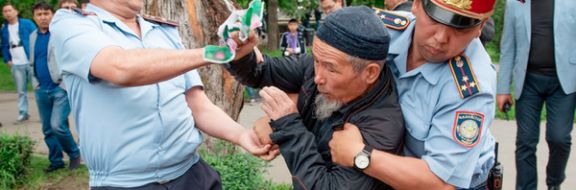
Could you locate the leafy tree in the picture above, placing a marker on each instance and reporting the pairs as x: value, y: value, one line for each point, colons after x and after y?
x: 24, y: 6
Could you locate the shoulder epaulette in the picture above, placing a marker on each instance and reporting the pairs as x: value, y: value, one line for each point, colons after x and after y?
x: 464, y: 76
x: 392, y: 20
x: 83, y: 13
x: 160, y: 20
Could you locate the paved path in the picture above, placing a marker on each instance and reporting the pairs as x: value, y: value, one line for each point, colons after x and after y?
x: 505, y: 132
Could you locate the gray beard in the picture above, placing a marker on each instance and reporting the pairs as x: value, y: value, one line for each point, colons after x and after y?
x: 325, y: 107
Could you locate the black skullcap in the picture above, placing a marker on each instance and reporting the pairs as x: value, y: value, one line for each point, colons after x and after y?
x: 356, y: 31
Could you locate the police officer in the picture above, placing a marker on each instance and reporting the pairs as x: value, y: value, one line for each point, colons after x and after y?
x: 447, y: 89
x: 138, y: 103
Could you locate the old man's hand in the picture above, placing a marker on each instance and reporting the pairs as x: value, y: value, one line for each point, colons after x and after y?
x: 276, y: 103
x: 245, y: 47
x: 345, y: 144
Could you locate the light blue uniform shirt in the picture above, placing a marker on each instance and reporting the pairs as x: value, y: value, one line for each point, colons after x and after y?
x: 129, y: 136
x: 430, y: 101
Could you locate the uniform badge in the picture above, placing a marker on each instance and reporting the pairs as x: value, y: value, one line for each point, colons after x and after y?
x: 467, y: 128
x: 464, y: 76
x: 392, y: 20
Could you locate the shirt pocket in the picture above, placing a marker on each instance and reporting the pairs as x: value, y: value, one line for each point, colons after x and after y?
x: 417, y: 124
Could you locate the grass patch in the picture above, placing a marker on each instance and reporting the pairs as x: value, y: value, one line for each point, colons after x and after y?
x: 6, y: 81
x: 494, y: 52
x: 60, y: 179
x: 276, y: 53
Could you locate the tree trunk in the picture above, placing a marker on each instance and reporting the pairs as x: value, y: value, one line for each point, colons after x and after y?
x: 272, y: 21
x: 199, y: 21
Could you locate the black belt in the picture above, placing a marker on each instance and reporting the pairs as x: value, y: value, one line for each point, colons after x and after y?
x: 15, y: 46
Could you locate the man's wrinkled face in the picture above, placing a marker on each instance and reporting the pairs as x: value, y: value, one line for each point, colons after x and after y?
x: 329, y: 6
x: 335, y: 77
x: 9, y: 12
x: 437, y: 42
x: 42, y: 18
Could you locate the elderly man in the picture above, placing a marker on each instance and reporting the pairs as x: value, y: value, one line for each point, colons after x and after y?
x: 343, y: 82
x: 138, y: 103
x: 447, y: 88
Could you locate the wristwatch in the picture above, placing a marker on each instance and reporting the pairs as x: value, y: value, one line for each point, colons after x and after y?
x: 362, y: 159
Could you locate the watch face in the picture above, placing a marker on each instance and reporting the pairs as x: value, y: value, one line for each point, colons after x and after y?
x: 361, y: 161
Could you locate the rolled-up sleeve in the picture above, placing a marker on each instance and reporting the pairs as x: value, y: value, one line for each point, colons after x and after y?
x: 192, y: 79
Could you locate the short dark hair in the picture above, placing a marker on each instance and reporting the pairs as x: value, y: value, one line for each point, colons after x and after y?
x: 293, y: 21
x: 42, y: 6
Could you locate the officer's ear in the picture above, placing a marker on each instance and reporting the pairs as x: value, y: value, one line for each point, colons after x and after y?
x: 415, y: 6
x: 481, y: 27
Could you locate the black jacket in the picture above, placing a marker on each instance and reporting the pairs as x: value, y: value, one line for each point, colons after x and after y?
x: 303, y: 139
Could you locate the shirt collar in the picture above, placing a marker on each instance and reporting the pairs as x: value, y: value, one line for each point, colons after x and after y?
x: 40, y: 33
x: 108, y: 18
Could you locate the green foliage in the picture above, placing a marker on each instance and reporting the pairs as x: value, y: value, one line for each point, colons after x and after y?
x: 494, y: 45
x: 294, y: 8
x: 38, y: 179
x: 24, y: 7
x: 15, y: 154
x: 238, y: 170
x: 6, y: 81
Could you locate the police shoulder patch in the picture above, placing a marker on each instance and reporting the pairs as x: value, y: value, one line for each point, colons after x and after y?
x: 160, y: 20
x: 392, y: 20
x: 467, y: 128
x: 464, y: 76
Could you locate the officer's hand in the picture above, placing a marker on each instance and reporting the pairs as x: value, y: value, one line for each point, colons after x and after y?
x: 272, y: 154
x: 246, y: 47
x: 276, y: 103
x: 501, y: 99
x: 250, y: 142
x: 263, y: 130
x: 345, y: 144
x: 10, y: 63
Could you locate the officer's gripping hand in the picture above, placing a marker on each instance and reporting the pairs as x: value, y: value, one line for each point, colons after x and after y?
x: 250, y: 142
x: 345, y: 144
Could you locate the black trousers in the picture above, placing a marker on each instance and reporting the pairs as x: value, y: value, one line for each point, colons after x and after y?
x: 199, y: 177
x: 539, y: 90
